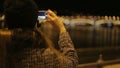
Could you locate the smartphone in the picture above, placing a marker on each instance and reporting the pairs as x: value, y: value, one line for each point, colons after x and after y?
x: 42, y: 15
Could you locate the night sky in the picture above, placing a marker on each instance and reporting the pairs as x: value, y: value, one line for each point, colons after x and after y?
x: 68, y: 7
x: 96, y: 7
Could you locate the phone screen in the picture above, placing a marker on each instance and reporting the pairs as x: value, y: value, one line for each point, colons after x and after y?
x: 41, y: 15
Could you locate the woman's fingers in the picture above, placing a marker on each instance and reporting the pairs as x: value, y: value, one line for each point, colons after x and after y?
x: 50, y: 18
x: 51, y: 13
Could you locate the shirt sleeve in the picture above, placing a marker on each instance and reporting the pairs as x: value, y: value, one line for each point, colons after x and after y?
x: 67, y: 47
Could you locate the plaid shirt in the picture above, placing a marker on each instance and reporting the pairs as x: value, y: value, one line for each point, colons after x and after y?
x: 35, y: 57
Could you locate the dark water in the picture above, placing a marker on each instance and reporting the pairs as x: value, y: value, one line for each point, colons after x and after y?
x: 92, y: 37
x: 91, y: 42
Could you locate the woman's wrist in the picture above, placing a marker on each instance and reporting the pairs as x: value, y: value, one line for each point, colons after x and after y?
x: 62, y: 29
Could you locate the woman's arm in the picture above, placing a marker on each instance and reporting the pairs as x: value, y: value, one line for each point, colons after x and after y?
x: 67, y: 47
x: 65, y: 43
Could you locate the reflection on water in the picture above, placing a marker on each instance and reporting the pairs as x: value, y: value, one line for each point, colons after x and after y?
x: 89, y: 36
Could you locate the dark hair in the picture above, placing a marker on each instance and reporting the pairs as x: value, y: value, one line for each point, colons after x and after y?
x: 20, y: 13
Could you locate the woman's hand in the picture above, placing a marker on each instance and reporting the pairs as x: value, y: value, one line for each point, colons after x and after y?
x: 55, y: 20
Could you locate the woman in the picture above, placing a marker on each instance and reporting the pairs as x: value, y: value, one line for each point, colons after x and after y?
x: 29, y: 46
